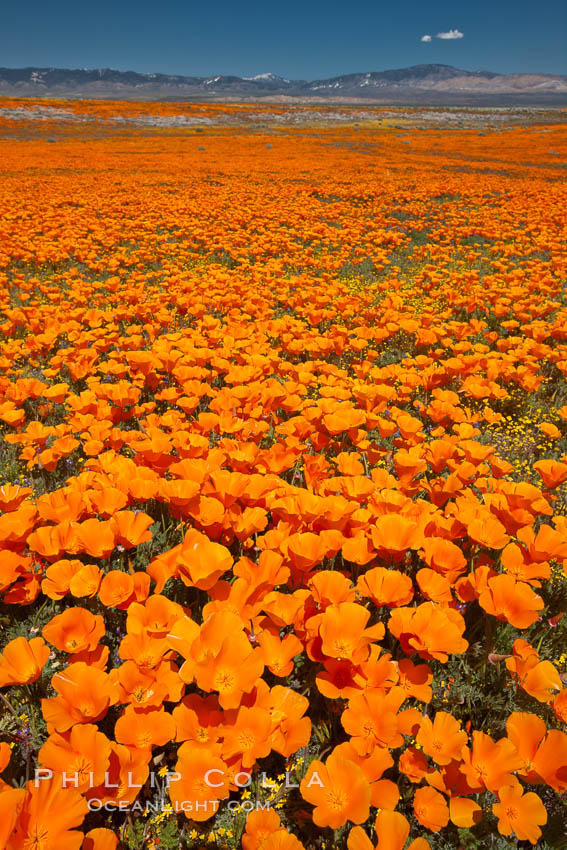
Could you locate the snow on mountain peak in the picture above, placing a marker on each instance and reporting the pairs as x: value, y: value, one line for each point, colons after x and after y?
x: 269, y: 77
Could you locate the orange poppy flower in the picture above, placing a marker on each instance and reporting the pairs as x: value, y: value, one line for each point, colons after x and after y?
x: 54, y: 541
x: 409, y: 465
x: 281, y: 839
x: 542, y: 680
x: 58, y: 577
x: 306, y: 550
x: 267, y: 571
x: 414, y: 764
x: 394, y: 535
x: 339, y: 791
x: 75, y: 630
x: 11, y: 804
x: 358, y: 550
x: 415, y: 679
x: 550, y: 761
x: 156, y: 617
x: 144, y: 728
x: 100, y: 839
x: 526, y: 732
x: 291, y: 730
x: 430, y: 809
x: 116, y: 588
x: 201, y: 562
x: 279, y: 654
x: 516, y: 564
x: 344, y: 419
x: 519, y: 814
x: 15, y: 526
x: 5, y: 753
x: 386, y: 587
x: 82, y: 754
x: 438, y: 452
x: 371, y: 720
x: 538, y: 678
x: 328, y: 587
x: 392, y: 831
x: 12, y: 496
x: 344, y: 634
x: 443, y: 739
x: 339, y: 679
x: 106, y: 502
x: 552, y: 472
x: 464, y: 812
x: 488, y: 531
x: 86, y: 581
x: 145, y: 651
x: 131, y: 528
x: 384, y: 793
x: 430, y: 630
x: 444, y: 557
x: 547, y: 543
x: 22, y: 661
x: 204, y: 781
x: 249, y: 735
x: 95, y: 537
x: 511, y: 601
x: 260, y: 825
x: 490, y: 764
x: 560, y: 706
x: 223, y: 660
x: 127, y: 773
x: 198, y: 719
x: 48, y: 816
x: 434, y: 586
x: 12, y: 567
x: 84, y: 696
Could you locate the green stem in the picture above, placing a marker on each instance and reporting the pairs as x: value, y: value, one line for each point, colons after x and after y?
x: 36, y: 618
x: 10, y: 707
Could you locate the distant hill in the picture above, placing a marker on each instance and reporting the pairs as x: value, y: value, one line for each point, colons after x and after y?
x: 420, y: 84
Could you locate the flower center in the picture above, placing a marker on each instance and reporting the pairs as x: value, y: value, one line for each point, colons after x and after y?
x: 341, y: 648
x: 224, y: 681
x: 336, y: 800
x: 38, y: 839
x: 246, y: 740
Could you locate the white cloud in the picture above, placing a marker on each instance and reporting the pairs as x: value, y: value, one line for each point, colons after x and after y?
x: 426, y: 38
x: 450, y: 34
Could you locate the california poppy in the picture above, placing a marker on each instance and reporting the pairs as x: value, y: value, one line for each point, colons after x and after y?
x: 22, y: 661
x: 84, y: 696
x: 392, y: 831
x: 442, y: 739
x: 82, y: 754
x: 144, y: 728
x: 260, y: 825
x: 48, y: 816
x: 519, y: 814
x: 430, y: 630
x: 75, y: 630
x: 100, y: 839
x: 202, y: 781
x: 430, y: 809
x: 339, y: 791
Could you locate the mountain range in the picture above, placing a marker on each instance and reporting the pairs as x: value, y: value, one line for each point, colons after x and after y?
x: 419, y: 84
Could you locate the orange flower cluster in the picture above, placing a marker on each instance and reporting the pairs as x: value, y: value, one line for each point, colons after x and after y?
x: 265, y: 507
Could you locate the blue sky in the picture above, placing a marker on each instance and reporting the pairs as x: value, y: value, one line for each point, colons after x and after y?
x: 298, y: 39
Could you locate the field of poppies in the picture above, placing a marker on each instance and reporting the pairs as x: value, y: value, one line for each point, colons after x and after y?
x: 283, y: 480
